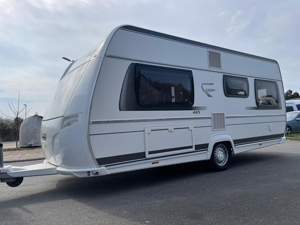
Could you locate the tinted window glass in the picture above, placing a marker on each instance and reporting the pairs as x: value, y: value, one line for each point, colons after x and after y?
x: 236, y: 86
x: 159, y: 86
x: 298, y: 106
x: 266, y: 93
x: 289, y: 109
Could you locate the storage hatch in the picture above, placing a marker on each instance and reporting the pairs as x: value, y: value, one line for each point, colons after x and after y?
x: 169, y: 140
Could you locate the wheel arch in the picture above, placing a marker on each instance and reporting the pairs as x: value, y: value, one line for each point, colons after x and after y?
x: 220, y: 138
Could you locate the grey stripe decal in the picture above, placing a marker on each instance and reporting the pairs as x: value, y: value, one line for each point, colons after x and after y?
x: 257, y: 139
x: 170, y: 149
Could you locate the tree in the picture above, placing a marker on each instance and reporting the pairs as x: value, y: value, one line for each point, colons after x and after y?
x: 290, y: 95
x: 295, y: 95
x: 17, y: 120
x: 6, y: 129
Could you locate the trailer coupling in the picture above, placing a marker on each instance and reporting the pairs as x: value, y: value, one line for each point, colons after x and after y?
x: 13, y: 175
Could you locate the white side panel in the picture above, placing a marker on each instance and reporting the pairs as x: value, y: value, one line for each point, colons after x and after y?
x: 244, y: 131
x: 143, y: 47
x: 117, y: 144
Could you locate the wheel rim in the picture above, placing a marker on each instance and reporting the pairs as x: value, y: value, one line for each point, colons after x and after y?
x: 221, y: 155
x: 288, y: 130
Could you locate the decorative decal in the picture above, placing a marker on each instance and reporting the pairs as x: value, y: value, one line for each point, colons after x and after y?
x: 207, y: 90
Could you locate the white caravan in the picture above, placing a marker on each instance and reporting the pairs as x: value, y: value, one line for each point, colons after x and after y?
x: 143, y: 99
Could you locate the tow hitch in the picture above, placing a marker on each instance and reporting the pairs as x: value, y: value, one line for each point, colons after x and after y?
x: 13, y: 176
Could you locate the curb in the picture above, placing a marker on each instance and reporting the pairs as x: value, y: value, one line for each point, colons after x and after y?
x: 22, y: 160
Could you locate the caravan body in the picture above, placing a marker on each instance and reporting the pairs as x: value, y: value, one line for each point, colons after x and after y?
x: 143, y: 99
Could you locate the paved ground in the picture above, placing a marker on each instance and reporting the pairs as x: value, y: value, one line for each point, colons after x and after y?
x: 9, y: 144
x: 22, y: 154
x: 37, y: 153
x: 260, y: 187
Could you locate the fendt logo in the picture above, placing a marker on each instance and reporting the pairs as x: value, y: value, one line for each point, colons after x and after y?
x: 207, y: 90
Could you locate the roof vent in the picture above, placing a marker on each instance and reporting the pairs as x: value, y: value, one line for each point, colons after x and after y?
x: 214, y: 59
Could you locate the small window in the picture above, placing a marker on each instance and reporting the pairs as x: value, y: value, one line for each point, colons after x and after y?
x: 236, y: 86
x: 298, y: 106
x: 266, y: 93
x: 163, y: 87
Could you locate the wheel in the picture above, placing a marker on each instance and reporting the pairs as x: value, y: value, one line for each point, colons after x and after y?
x: 288, y: 130
x: 220, y: 157
x: 15, y: 183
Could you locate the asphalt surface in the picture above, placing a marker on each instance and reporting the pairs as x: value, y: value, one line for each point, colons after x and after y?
x: 260, y: 187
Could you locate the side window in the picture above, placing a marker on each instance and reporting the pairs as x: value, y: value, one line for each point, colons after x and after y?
x: 235, y: 86
x: 298, y: 106
x: 266, y: 93
x: 163, y: 87
x: 148, y: 87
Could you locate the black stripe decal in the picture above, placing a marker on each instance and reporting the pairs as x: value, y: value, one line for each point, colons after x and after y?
x: 121, y: 158
x: 142, y: 155
x: 257, y: 139
x: 202, y: 146
x: 170, y: 149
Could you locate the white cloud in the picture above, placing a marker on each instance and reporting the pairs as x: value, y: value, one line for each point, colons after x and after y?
x: 35, y: 34
x: 238, y: 22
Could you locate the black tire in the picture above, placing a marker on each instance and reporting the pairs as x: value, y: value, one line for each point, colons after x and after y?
x: 220, y: 157
x: 288, y: 130
x: 15, y: 183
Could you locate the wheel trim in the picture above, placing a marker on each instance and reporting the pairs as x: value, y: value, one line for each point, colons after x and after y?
x: 220, y: 155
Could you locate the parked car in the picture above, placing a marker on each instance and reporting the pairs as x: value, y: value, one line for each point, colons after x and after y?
x: 292, y: 122
x: 292, y: 105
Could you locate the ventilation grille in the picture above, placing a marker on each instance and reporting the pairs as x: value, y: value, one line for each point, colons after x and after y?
x: 214, y: 59
x: 218, y: 121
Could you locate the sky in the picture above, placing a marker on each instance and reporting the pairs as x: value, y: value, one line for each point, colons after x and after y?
x: 36, y: 34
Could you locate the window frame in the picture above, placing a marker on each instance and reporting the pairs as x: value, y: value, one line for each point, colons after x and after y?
x: 256, y: 93
x: 168, y: 105
x: 232, y: 95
